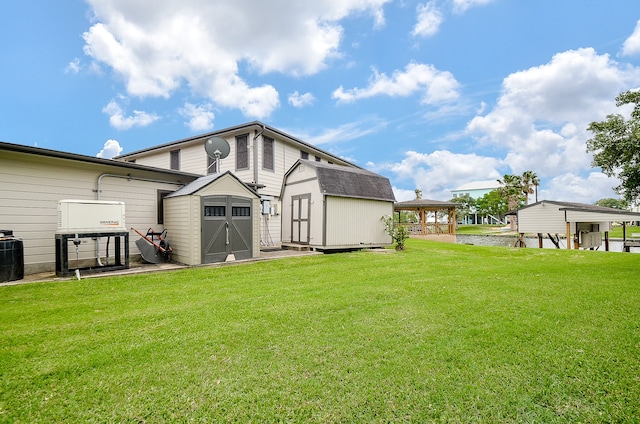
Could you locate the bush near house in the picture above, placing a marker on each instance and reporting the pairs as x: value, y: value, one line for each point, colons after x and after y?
x: 438, y: 333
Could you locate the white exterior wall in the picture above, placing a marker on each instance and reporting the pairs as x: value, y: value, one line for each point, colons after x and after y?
x: 31, y: 187
x: 547, y: 218
x: 185, y: 214
x: 181, y: 215
x: 356, y: 221
x: 303, y: 180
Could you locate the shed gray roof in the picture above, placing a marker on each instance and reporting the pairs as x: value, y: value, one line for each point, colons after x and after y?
x: 202, y: 182
x: 346, y: 181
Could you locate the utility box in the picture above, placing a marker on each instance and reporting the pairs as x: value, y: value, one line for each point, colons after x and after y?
x: 88, y: 216
x: 589, y: 240
x: 11, y: 257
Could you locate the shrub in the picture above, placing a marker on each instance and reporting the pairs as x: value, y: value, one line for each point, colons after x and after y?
x: 397, y: 232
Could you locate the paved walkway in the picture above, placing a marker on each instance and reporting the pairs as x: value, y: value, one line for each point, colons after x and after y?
x: 141, y: 268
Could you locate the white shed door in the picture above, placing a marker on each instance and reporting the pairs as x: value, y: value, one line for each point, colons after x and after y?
x: 300, y: 217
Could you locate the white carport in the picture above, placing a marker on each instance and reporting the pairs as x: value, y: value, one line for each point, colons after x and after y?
x: 582, y: 222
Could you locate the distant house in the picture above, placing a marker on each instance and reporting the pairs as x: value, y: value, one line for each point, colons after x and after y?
x: 260, y: 155
x: 330, y: 207
x: 475, y: 189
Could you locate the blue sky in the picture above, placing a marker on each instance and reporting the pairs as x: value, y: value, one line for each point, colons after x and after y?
x: 433, y: 94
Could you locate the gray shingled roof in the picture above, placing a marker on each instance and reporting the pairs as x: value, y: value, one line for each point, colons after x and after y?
x: 346, y: 181
x: 201, y: 183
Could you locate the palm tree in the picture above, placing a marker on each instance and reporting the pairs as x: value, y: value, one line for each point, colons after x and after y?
x: 511, y: 189
x: 530, y: 183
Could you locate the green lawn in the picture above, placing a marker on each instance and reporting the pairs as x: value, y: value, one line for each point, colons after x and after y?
x: 438, y: 333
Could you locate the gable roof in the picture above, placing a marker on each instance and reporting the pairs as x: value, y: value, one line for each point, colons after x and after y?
x: 613, y: 214
x: 238, y: 129
x: 345, y: 181
x: 202, y: 182
x: 582, y: 207
x: 479, y: 185
x: 424, y: 203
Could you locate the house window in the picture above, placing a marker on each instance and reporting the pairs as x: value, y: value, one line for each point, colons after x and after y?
x: 318, y: 159
x: 174, y: 156
x: 242, y: 152
x: 161, y: 194
x: 304, y: 155
x: 212, y: 165
x: 267, y: 153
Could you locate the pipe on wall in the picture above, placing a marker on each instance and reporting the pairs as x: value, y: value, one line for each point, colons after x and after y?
x: 126, y: 177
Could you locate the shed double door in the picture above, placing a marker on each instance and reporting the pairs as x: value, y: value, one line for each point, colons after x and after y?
x: 300, y: 217
x: 226, y: 228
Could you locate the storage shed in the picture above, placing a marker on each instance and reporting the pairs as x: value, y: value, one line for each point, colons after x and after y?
x: 585, y: 223
x: 333, y: 207
x: 213, y: 219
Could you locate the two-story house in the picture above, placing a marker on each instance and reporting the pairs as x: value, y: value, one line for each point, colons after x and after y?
x: 259, y: 156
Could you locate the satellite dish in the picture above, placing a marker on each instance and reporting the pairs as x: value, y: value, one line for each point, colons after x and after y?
x: 217, y: 147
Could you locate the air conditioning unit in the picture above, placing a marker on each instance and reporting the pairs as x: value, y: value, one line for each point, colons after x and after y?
x: 90, y: 216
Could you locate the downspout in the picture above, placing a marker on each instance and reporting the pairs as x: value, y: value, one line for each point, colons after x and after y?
x: 99, y: 191
x: 255, y: 154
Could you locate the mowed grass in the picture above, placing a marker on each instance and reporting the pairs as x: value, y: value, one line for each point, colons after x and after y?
x: 438, y: 333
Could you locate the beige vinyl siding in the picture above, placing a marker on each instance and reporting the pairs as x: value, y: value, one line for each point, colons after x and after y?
x: 356, y: 221
x: 157, y: 160
x: 31, y: 187
x: 182, y: 216
x: 547, y: 219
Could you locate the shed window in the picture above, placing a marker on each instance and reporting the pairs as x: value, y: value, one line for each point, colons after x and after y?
x: 215, y: 211
x: 241, y: 211
x: 242, y: 152
x: 267, y: 153
x: 174, y: 156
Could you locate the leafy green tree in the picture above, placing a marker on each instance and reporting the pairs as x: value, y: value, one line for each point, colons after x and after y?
x: 613, y: 203
x: 492, y: 203
x: 616, y: 146
x: 467, y: 205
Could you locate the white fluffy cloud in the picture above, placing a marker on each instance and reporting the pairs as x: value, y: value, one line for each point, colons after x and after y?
x: 301, y: 100
x: 433, y: 173
x: 429, y: 19
x: 460, y: 6
x: 435, y: 86
x: 118, y: 120
x: 543, y: 112
x: 157, y: 46
x: 200, y: 118
x: 632, y: 44
x: 110, y: 149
